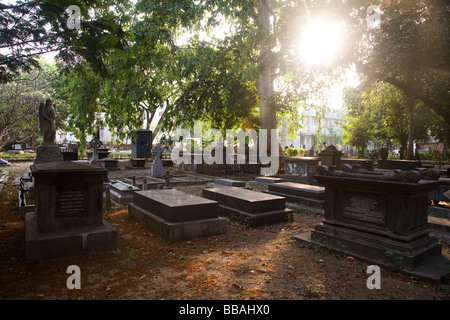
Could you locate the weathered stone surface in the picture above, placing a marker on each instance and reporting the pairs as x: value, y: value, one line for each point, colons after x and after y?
x: 255, y: 208
x: 229, y: 183
x: 310, y: 195
x: 384, y: 222
x: 48, y: 152
x: 175, y: 215
x: 122, y: 192
x: 300, y: 169
x: 68, y: 217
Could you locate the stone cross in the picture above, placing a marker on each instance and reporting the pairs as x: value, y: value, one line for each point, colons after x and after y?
x: 158, y: 152
x: 95, y: 144
x: 167, y: 177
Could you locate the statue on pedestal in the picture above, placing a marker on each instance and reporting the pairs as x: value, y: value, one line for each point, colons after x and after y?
x: 47, y: 116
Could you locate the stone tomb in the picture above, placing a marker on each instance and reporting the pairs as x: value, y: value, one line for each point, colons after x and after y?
x: 313, y: 196
x: 68, y: 217
x: 379, y: 220
x: 252, y: 207
x: 122, y: 192
x: 175, y: 216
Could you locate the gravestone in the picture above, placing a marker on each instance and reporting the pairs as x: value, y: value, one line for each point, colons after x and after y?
x: 157, y: 170
x: 141, y: 147
x: 313, y: 196
x: 175, y: 216
x: 300, y: 169
x: 380, y: 218
x: 110, y: 164
x: 68, y: 217
x: 167, y: 176
x: 250, y: 207
x: 331, y: 157
x: 122, y: 192
x: 95, y: 160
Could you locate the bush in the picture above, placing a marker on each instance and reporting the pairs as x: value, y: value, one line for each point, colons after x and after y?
x: 291, y: 152
x: 20, y: 156
x: 302, y: 152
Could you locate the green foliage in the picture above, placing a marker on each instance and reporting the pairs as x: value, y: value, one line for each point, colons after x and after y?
x: 291, y: 152
x: 20, y: 156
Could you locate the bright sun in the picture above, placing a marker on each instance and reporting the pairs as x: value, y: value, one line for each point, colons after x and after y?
x: 320, y: 41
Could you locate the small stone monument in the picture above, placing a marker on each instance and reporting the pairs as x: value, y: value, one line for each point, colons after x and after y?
x: 157, y: 166
x: 331, y: 157
x: 95, y: 160
x: 167, y: 178
x: 68, y: 218
x: 48, y: 151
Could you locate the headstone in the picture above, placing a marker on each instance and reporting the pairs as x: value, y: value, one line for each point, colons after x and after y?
x: 157, y: 166
x: 381, y: 219
x: 175, y: 216
x: 68, y: 217
x: 95, y: 160
x: 144, y: 184
x: 309, y: 195
x: 141, y: 147
x: 331, y: 157
x: 122, y: 192
x: 110, y: 164
x: 250, y: 207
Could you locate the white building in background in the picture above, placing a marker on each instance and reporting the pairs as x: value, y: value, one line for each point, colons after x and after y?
x: 331, y: 130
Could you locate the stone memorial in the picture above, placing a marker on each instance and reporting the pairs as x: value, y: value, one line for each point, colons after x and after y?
x: 251, y: 207
x: 331, y: 157
x: 95, y: 160
x: 380, y: 218
x: 141, y: 147
x: 157, y: 170
x: 122, y: 192
x: 68, y: 218
x: 309, y: 195
x: 110, y: 164
x: 300, y: 169
x: 175, y: 216
x: 229, y: 183
x: 48, y: 151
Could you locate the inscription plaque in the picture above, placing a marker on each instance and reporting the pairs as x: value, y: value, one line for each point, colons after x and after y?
x: 70, y: 203
x: 364, y: 208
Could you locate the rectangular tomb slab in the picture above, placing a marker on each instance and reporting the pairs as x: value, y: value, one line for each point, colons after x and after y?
x: 175, y: 206
x: 122, y: 192
x: 310, y: 195
x: 175, y: 215
x: 254, y: 207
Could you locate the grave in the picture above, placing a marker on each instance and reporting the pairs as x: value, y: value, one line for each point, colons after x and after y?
x: 121, y: 192
x: 382, y: 219
x: 331, y: 157
x: 312, y: 196
x: 361, y: 163
x: 175, y: 216
x: 229, y: 183
x: 110, y: 164
x: 300, y: 169
x: 157, y: 166
x: 141, y: 147
x: 251, y: 207
x: 68, y: 217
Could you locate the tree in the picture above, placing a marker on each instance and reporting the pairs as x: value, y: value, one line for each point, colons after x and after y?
x: 31, y: 28
x: 385, y: 112
x: 19, y: 102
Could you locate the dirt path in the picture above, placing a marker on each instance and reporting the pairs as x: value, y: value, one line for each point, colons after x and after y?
x: 261, y: 263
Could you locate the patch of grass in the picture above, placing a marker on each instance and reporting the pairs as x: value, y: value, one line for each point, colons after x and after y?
x: 312, y: 291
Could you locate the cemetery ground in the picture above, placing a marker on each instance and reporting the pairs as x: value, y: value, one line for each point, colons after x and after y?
x: 245, y: 263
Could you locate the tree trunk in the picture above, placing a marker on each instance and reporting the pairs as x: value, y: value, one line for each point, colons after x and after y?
x: 266, y: 78
x: 410, y: 154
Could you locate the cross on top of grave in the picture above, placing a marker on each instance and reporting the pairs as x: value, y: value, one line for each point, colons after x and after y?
x: 157, y: 151
x: 95, y: 144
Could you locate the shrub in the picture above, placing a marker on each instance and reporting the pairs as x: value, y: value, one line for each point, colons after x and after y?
x: 291, y: 152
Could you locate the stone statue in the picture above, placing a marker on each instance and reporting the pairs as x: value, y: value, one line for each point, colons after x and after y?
x: 47, y: 116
